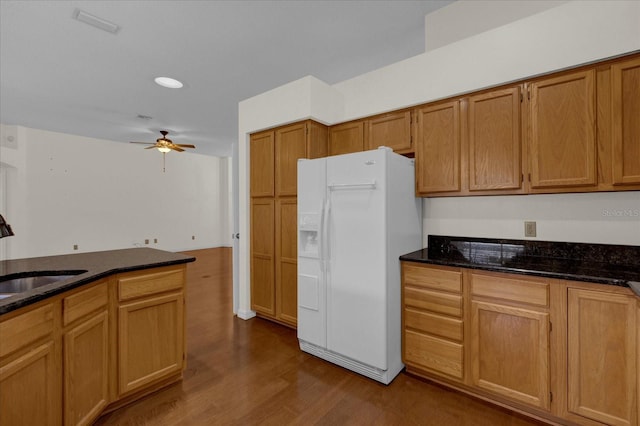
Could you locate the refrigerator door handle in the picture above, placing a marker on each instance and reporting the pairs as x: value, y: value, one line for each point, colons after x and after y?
x: 361, y: 185
x: 326, y: 248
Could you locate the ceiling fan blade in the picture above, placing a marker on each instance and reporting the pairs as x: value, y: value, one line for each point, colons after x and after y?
x: 185, y: 145
x: 151, y: 147
x: 176, y: 148
x: 144, y: 143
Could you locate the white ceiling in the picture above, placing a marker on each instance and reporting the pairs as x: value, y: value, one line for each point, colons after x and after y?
x: 59, y: 74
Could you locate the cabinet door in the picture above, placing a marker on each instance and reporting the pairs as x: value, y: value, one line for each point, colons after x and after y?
x: 346, y: 138
x: 317, y: 140
x: 290, y: 145
x: 626, y: 122
x: 392, y: 130
x: 510, y: 352
x: 602, y: 356
x: 562, y: 119
x: 261, y: 147
x: 287, y: 260
x: 438, y: 148
x: 86, y: 370
x: 263, y: 256
x: 29, y: 389
x: 151, y: 340
x: 495, y: 140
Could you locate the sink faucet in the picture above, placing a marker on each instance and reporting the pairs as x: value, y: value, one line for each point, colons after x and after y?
x: 5, y: 228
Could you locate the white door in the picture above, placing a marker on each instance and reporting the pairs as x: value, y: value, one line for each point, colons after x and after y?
x: 356, y: 288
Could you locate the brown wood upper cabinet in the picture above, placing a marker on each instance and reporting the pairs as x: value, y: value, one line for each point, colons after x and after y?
x: 261, y: 147
x: 495, y: 140
x: 438, y: 148
x: 563, y: 128
x: 346, y: 138
x: 392, y: 130
x: 625, y: 114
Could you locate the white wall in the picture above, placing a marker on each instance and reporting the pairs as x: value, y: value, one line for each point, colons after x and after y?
x: 466, y: 18
x: 572, y: 33
x: 64, y: 189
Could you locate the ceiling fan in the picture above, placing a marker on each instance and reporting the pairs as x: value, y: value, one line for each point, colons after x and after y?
x: 164, y: 144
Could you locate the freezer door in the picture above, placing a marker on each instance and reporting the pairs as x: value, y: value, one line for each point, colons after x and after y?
x: 356, y: 284
x: 311, y: 282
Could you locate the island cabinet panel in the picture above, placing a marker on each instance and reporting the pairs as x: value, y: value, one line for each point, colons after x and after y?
x: 438, y: 149
x: 29, y: 388
x: 495, y: 140
x: 393, y: 130
x: 30, y: 371
x: 151, y: 341
x: 346, y: 138
x: 625, y: 116
x: 262, y: 161
x: 86, y: 370
x: 563, y: 127
x: 602, y: 356
x: 86, y: 351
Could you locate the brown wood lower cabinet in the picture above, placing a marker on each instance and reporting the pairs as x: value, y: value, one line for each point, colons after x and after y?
x: 57, y: 361
x: 86, y: 354
x: 562, y: 351
x: 30, y: 368
x: 151, y: 342
x: 602, y: 349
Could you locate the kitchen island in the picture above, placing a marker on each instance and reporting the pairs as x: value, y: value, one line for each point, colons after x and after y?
x: 549, y: 329
x: 91, y: 342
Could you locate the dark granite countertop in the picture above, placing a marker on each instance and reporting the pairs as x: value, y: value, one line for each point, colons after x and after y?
x: 597, y: 263
x: 97, y: 265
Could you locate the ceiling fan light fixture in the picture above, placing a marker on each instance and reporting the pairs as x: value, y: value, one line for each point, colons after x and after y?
x: 168, y: 82
x: 163, y: 149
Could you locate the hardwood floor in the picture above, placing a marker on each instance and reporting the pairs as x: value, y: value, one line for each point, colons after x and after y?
x: 252, y: 372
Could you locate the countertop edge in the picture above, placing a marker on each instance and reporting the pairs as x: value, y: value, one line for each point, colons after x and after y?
x: 531, y: 272
x: 93, y: 274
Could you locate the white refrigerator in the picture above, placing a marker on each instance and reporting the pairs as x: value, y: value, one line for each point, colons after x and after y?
x: 357, y: 213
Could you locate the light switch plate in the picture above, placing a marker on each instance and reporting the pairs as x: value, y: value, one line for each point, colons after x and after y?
x: 529, y: 229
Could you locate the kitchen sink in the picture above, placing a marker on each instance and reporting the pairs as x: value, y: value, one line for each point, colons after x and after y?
x: 31, y: 280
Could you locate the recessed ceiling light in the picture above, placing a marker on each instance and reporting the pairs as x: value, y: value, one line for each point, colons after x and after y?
x: 171, y: 83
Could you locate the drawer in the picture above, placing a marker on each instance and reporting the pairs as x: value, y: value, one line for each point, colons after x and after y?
x: 417, y: 275
x: 449, y: 328
x: 434, y: 301
x: 26, y: 328
x: 83, y: 303
x: 515, y: 289
x: 433, y: 354
x: 144, y: 283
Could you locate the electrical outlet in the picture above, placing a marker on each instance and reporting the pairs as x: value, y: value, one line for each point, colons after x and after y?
x: 155, y: 241
x: 75, y: 247
x: 193, y: 237
x: 146, y: 241
x: 529, y: 229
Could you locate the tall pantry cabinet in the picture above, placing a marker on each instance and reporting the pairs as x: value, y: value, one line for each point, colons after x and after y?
x: 274, y: 157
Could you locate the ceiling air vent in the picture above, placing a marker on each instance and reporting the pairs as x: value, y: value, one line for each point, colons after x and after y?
x: 94, y: 21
